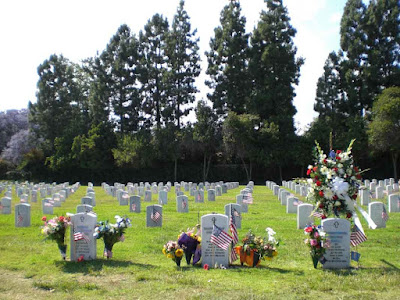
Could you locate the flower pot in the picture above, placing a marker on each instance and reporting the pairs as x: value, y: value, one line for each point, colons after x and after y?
x: 108, y: 251
x: 315, y: 260
x: 178, y: 261
x: 252, y: 258
x: 63, y: 251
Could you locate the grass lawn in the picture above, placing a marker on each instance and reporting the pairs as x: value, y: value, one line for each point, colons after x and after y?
x: 32, y: 269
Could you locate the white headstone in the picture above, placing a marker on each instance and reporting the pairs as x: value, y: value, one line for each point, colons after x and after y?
x: 376, y: 211
x: 234, y: 210
x: 364, y: 196
x: 154, y: 216
x: 244, y: 207
x: 162, y: 197
x: 304, y: 217
x: 211, y: 195
x: 134, y: 204
x: 394, y: 203
x: 211, y: 254
x: 338, y: 254
x: 22, y: 215
x: 182, y: 204
x: 6, y: 205
x: 84, y: 223
x: 292, y: 203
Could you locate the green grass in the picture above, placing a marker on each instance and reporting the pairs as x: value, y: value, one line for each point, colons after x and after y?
x: 32, y: 269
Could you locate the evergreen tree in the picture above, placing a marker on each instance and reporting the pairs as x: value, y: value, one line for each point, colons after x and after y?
x: 227, y: 62
x: 120, y: 60
x: 183, y: 60
x: 274, y: 71
x: 153, y: 61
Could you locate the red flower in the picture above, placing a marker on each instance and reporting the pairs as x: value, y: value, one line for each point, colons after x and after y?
x: 358, y: 176
x: 335, y: 169
x: 349, y: 215
x: 318, y: 183
x: 205, y: 267
x: 323, y: 217
x: 356, y: 169
x: 308, y: 172
x: 325, y: 161
x: 321, y: 193
x: 321, y: 205
x: 315, y: 169
x: 354, y: 196
x: 61, y: 219
x: 338, y: 158
x: 308, y: 229
x: 44, y: 218
x: 335, y: 197
x: 80, y: 258
x: 315, y: 178
x: 338, y: 151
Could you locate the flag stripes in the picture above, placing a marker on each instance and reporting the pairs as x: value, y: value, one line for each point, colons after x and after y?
x: 220, y: 238
x: 357, y: 236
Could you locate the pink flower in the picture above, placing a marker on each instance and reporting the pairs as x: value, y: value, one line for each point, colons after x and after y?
x: 316, y: 234
x: 313, y: 242
x: 44, y: 218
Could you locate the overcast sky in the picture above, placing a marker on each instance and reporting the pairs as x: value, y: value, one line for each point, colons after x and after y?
x: 30, y: 31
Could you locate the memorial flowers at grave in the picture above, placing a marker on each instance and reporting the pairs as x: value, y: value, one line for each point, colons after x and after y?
x: 334, y: 183
x: 111, y: 233
x: 256, y: 248
x: 173, y: 251
x: 190, y: 242
x: 317, y: 242
x: 54, y: 229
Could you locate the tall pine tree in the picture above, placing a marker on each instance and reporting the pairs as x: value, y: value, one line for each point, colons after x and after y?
x: 227, y: 62
x: 184, y: 67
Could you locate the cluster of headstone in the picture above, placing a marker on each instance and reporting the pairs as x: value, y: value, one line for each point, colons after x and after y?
x: 292, y: 203
x: 132, y: 194
x: 52, y: 195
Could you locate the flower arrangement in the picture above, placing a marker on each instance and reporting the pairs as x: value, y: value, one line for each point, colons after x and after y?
x: 54, y: 229
x: 174, y: 251
x: 111, y: 233
x: 317, y: 242
x: 334, y: 182
x: 256, y: 248
x: 190, y: 242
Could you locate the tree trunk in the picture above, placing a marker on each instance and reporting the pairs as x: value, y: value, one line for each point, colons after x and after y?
x: 250, y: 171
x: 175, y: 169
x: 245, y: 167
x: 204, y: 168
x: 395, y: 156
x: 208, y: 165
x: 280, y: 173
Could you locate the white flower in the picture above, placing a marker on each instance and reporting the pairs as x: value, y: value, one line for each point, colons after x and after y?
x: 328, y: 193
x: 310, y: 167
x: 270, y: 231
x: 337, y: 203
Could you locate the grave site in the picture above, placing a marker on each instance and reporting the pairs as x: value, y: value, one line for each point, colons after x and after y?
x: 174, y: 245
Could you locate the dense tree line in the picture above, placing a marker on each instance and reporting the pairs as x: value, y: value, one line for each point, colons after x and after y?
x: 122, y: 115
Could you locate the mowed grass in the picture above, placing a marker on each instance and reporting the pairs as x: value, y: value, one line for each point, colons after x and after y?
x: 31, y: 268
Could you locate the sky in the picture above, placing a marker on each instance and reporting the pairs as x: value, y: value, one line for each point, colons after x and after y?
x: 30, y: 31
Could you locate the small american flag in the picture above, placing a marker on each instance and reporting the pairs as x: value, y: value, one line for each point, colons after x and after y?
x: 47, y: 204
x: 236, y: 213
x: 248, y: 198
x: 357, y: 236
x: 155, y: 216
x: 235, y: 238
x: 20, y: 219
x: 184, y: 204
x: 198, y: 197
x: 81, y: 236
x: 133, y: 207
x: 297, y: 203
x: 385, y: 216
x: 220, y: 238
x: 317, y: 214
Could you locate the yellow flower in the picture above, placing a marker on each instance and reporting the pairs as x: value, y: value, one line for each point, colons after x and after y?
x: 274, y: 253
x: 179, y: 253
x: 164, y: 251
x: 199, y: 239
x: 169, y: 255
x: 268, y: 258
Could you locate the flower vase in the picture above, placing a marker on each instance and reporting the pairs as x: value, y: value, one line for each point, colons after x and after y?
x: 63, y: 250
x: 108, y: 251
x: 178, y: 261
x: 315, y: 260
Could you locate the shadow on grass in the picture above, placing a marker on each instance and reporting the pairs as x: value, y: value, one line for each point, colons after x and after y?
x: 388, y: 268
x: 97, y: 265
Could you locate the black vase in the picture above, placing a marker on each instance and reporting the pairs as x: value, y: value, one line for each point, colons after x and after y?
x: 63, y: 251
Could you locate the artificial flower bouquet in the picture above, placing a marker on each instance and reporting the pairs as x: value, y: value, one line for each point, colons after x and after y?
x: 334, y: 183
x: 317, y: 242
x: 111, y: 233
x: 190, y: 242
x: 256, y: 248
x: 174, y: 251
x: 54, y: 229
